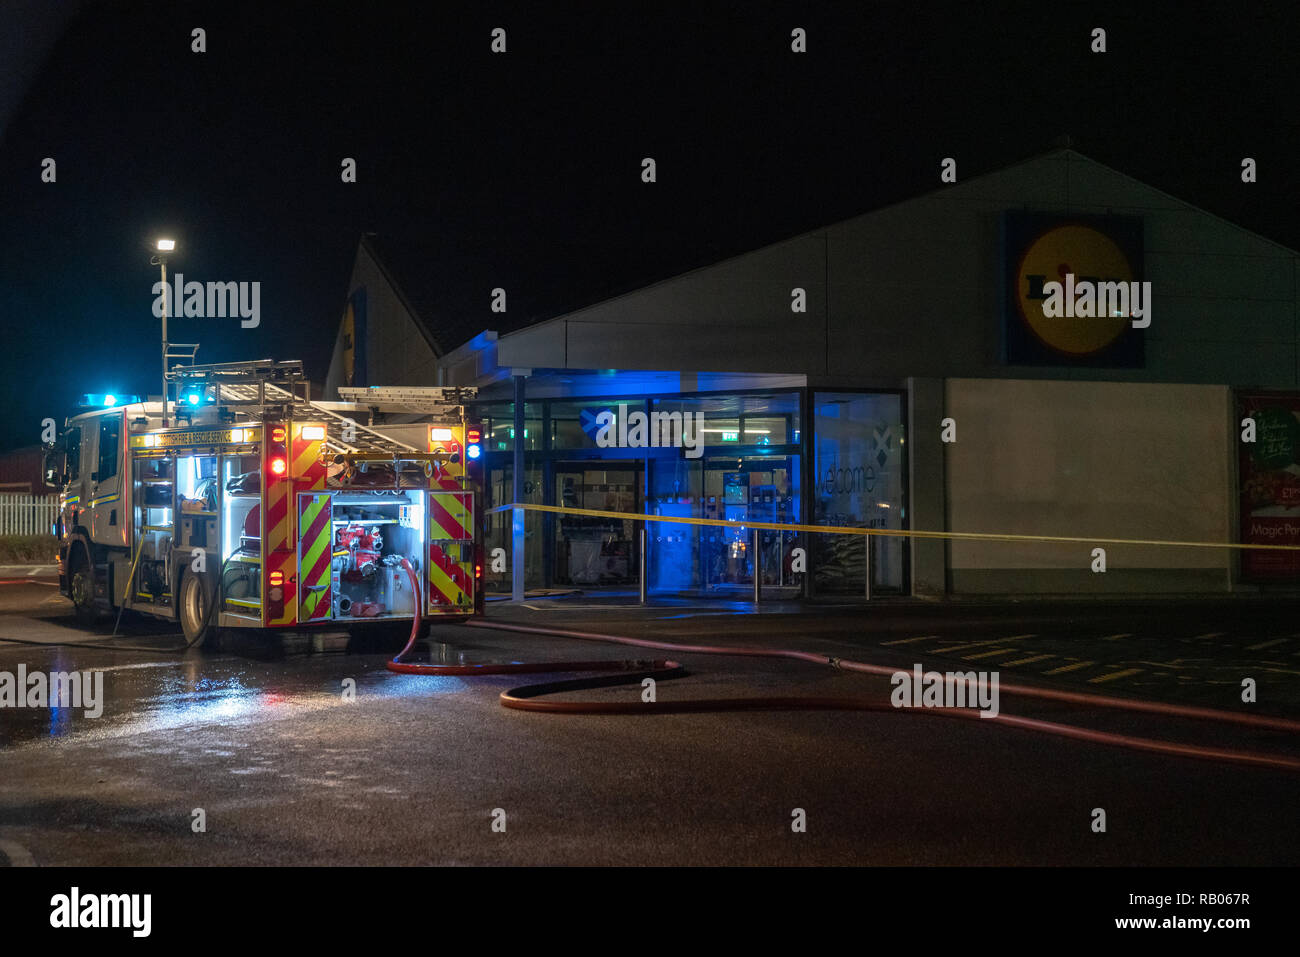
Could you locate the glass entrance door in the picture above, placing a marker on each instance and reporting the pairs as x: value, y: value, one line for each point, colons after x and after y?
x: 751, y: 488
x: 593, y: 551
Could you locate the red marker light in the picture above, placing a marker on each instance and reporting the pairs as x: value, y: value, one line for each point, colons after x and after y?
x: 278, y: 434
x: 473, y: 435
x: 277, y: 578
x: 478, y: 571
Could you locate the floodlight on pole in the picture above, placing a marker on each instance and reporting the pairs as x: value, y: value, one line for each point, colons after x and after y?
x: 164, y: 246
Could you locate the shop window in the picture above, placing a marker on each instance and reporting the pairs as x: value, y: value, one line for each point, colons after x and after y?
x: 498, y: 423
x: 859, y: 472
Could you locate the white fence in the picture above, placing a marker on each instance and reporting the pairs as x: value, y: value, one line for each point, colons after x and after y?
x: 22, y: 514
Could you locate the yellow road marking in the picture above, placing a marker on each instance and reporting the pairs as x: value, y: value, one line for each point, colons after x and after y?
x: 978, y: 644
x: 1266, y: 644
x: 1031, y: 659
x: 1111, y: 677
x: 1122, y: 634
x: 1065, y: 668
x: 1209, y: 634
x: 990, y: 654
x: 907, y: 641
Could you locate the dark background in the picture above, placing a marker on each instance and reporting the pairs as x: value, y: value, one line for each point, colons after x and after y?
x: 523, y: 171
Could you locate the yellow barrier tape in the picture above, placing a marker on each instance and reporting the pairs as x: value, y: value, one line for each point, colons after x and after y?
x: 888, y: 532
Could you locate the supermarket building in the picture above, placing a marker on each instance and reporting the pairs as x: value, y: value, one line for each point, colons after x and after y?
x: 896, y: 371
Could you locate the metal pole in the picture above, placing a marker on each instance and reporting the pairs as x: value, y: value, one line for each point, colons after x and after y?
x: 869, y: 539
x: 166, y: 296
x: 644, y: 567
x: 758, y: 571
x: 518, y: 536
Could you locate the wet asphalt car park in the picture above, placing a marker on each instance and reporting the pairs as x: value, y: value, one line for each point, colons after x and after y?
x: 315, y: 753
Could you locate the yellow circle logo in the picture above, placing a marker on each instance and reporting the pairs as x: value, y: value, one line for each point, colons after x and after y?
x: 1088, y: 255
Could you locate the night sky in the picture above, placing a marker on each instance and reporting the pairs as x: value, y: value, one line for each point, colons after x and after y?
x: 523, y: 170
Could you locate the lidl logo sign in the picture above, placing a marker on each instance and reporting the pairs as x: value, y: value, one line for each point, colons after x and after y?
x: 1047, y: 258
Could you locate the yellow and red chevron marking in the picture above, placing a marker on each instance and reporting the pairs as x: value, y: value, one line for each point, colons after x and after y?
x: 445, y: 473
x: 275, y: 536
x: 286, y: 563
x: 308, y: 468
x: 444, y: 477
x: 317, y: 535
x: 451, y: 580
x: 451, y: 516
x: 450, y: 587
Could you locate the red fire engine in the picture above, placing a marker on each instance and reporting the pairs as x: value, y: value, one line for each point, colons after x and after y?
x: 260, y: 508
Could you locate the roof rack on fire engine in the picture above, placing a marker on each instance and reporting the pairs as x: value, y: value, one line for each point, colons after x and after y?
x: 406, y: 398
x: 263, y: 388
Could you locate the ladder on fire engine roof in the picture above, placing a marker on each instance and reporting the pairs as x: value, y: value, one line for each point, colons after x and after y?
x: 264, y: 387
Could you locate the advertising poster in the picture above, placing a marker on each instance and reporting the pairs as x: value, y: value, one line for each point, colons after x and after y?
x: 1270, y: 485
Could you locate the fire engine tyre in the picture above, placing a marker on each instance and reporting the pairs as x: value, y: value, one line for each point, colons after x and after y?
x: 81, y: 588
x: 194, y: 607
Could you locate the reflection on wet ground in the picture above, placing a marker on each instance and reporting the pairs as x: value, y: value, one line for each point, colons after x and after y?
x: 185, y: 689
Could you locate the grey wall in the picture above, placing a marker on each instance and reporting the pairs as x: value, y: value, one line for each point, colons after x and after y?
x: 732, y: 317
x: 1089, y: 459
x: 912, y: 290
x: 926, y: 484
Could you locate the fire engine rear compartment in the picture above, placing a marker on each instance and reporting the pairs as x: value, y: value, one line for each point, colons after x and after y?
x: 371, y: 532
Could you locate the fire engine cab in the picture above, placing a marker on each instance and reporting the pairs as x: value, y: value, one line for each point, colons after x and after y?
x: 256, y: 507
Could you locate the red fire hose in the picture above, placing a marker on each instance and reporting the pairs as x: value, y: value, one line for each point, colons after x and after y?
x: 525, y: 698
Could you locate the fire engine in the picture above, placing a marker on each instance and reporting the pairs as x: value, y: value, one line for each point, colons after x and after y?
x: 252, y: 506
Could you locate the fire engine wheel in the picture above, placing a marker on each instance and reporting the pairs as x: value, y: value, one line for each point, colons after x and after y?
x: 194, y: 606
x: 81, y: 589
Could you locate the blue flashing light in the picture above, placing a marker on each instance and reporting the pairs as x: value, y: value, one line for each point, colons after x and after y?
x: 106, y: 400
x: 473, y: 451
x: 192, y: 398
